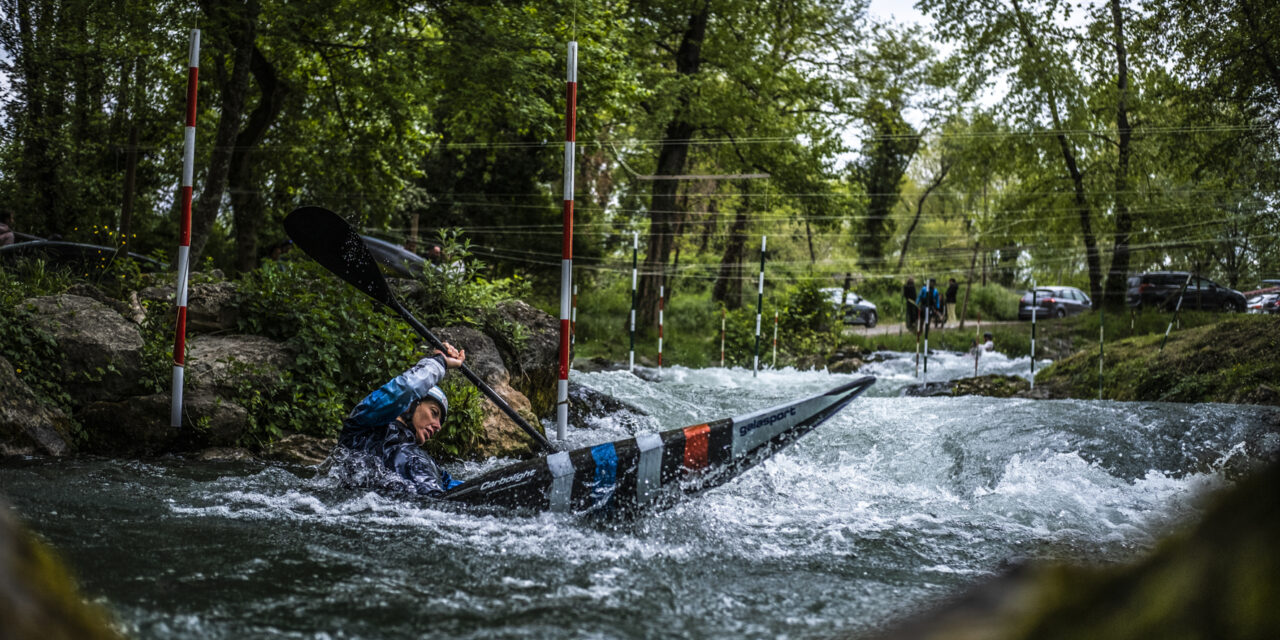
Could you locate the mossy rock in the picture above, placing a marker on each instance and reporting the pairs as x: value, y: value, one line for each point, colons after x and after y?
x: 993, y: 385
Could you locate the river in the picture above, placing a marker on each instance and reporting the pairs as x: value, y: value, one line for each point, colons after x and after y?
x: 894, y: 504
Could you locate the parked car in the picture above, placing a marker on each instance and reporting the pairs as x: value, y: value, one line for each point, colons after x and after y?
x: 1054, y: 302
x: 74, y: 255
x: 857, y: 310
x: 1264, y: 303
x: 1270, y: 285
x: 1160, y: 289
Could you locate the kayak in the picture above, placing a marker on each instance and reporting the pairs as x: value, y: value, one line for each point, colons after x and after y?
x: 653, y: 470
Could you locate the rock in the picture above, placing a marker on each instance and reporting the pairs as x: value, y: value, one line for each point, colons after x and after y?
x: 597, y: 364
x: 101, y: 351
x: 929, y: 390
x: 140, y: 425
x: 647, y: 373
x: 28, y: 427
x: 224, y: 454
x: 38, y: 598
x: 211, y: 306
x: 223, y: 362
x: 535, y: 365
x: 811, y: 362
x: 483, y: 356
x: 298, y: 448
x: 847, y: 365
x: 993, y: 385
x: 125, y: 309
x: 588, y: 407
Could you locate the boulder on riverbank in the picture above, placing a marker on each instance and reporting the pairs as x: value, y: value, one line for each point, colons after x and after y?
x: 27, y: 426
x: 100, y: 351
x: 991, y: 385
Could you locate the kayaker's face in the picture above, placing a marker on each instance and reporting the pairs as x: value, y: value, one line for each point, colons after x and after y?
x: 426, y: 420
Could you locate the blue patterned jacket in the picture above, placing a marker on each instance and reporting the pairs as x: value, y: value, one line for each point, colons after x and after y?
x: 372, y: 429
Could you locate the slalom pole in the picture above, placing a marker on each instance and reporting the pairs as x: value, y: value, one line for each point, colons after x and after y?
x: 635, y: 248
x: 722, y: 316
x: 662, y: 293
x: 917, y: 327
x: 1176, y: 311
x: 755, y: 367
x: 566, y: 260
x: 184, y: 235
x: 926, y: 345
x: 1034, y: 303
x: 1101, y: 325
x: 775, y: 340
x: 573, y: 323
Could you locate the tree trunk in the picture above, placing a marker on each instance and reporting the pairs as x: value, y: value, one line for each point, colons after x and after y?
x: 968, y: 286
x: 246, y: 197
x: 933, y: 184
x: 1073, y: 169
x: 242, y: 33
x: 674, y: 153
x: 728, y: 287
x: 1117, y: 278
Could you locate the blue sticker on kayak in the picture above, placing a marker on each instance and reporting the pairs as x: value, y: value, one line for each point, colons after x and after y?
x: 606, y: 459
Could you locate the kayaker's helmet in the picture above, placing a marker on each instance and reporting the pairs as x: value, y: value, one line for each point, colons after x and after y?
x: 987, y: 335
x: 436, y: 394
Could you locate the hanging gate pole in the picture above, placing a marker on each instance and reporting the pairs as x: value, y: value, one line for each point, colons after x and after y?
x: 759, y: 308
x: 184, y: 237
x: 662, y: 294
x: 775, y: 340
x: 1034, y: 304
x: 722, y: 316
x: 635, y: 248
x: 566, y: 260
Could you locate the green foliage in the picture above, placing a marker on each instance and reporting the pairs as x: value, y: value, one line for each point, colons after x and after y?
x: 345, y: 346
x: 463, y: 428
x: 33, y: 352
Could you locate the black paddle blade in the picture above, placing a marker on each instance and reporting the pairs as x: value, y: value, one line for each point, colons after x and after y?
x: 327, y: 238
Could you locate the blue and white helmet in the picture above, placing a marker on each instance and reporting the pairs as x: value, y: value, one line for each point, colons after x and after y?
x: 437, y: 394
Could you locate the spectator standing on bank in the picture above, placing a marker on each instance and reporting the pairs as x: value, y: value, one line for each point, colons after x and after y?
x: 912, y: 311
x: 952, y: 290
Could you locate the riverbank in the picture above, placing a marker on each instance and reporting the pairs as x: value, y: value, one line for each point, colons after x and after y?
x: 1235, y: 360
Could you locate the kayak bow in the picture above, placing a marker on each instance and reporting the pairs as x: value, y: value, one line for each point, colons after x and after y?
x: 654, y: 470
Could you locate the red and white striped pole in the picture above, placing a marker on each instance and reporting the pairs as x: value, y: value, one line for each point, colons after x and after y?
x: 184, y: 236
x: 722, y: 315
x: 662, y: 293
x: 573, y: 323
x: 566, y: 261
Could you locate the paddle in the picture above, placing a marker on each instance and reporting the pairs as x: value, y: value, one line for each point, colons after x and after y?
x: 328, y: 239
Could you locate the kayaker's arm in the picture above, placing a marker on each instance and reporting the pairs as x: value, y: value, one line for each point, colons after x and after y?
x: 393, y: 398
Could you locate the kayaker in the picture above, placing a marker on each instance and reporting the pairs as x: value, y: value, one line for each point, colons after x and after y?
x: 391, y: 424
x: 990, y: 344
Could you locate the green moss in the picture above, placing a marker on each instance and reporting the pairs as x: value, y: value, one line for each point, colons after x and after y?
x: 1233, y: 360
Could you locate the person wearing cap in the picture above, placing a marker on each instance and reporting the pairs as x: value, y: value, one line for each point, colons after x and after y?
x: 391, y: 424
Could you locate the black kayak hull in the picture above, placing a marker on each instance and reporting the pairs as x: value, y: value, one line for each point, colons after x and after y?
x: 653, y: 470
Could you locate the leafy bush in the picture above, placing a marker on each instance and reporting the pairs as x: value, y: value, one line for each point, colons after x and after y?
x: 345, y: 346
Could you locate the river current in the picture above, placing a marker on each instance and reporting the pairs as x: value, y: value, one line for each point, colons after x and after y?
x: 893, y: 505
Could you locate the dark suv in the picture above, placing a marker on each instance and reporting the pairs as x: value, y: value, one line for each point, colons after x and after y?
x: 1159, y: 289
x: 1054, y: 302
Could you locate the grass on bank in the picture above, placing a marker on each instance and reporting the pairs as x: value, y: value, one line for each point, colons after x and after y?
x: 1232, y: 360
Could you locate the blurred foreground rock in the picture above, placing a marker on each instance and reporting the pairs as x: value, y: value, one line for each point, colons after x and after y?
x: 38, y: 598
x: 1219, y: 581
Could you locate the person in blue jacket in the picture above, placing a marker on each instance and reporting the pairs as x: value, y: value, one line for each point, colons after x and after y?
x: 391, y: 424
x: 929, y: 299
